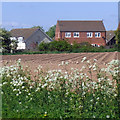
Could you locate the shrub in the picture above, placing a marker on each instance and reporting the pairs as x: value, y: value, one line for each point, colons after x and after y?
x: 43, y: 46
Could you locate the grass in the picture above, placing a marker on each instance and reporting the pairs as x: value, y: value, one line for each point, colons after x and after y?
x: 60, y: 52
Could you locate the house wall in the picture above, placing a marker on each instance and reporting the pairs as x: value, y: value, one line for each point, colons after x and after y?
x: 83, y: 38
x: 57, y: 32
x: 33, y: 41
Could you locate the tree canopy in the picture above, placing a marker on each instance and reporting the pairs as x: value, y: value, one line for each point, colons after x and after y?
x: 51, y: 31
x: 6, y: 44
x: 5, y: 40
x: 117, y: 37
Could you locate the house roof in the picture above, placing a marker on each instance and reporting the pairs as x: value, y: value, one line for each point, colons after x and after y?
x: 26, y: 32
x: 110, y: 35
x: 81, y: 26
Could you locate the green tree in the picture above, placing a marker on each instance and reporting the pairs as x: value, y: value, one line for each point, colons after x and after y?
x: 5, y: 40
x: 117, y: 37
x: 51, y: 31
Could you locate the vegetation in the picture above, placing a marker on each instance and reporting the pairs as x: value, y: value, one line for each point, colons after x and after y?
x: 61, y: 94
x: 63, y: 46
x: 117, y: 37
x: 51, y: 32
x: 6, y: 44
x: 4, y: 41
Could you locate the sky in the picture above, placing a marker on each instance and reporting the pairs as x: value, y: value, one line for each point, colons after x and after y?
x: 46, y: 14
x: 119, y: 11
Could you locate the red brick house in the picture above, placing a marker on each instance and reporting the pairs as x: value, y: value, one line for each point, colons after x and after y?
x: 81, y: 31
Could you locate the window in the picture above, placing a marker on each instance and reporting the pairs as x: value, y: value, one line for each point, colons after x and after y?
x: 67, y: 34
x: 20, y: 39
x: 98, y: 34
x: 76, y: 34
x: 89, y: 35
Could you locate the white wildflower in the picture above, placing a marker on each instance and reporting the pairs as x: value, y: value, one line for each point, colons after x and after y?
x: 83, y: 59
x: 107, y: 116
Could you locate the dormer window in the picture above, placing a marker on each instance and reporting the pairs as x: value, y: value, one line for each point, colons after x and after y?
x: 89, y: 34
x: 97, y: 34
x: 20, y: 39
x: 68, y: 34
x: 76, y: 34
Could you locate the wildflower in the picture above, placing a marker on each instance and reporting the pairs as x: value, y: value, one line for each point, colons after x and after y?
x: 30, y: 87
x: 107, y: 116
x: 62, y: 63
x: 95, y: 60
x: 66, y: 63
x: 45, y: 114
x: 83, y: 59
x: 4, y: 83
x: 14, y: 90
x: 59, y: 64
x: 88, y: 61
x: 98, y: 98
x: 26, y: 106
x: 19, y: 102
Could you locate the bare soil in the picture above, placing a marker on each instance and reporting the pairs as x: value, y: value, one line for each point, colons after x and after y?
x: 51, y: 61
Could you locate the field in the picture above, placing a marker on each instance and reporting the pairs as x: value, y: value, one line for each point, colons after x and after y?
x: 51, y: 61
x: 75, y: 85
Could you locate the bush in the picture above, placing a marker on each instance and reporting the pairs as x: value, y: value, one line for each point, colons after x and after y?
x: 61, y: 45
x: 43, y: 46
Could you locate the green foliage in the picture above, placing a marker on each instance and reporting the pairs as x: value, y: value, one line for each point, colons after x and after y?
x: 57, y: 94
x: 43, y: 46
x: 51, y: 31
x: 61, y: 45
x: 117, y: 37
x: 5, y: 40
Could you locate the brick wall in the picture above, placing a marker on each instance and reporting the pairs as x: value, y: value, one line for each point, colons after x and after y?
x: 82, y: 37
x: 57, y: 32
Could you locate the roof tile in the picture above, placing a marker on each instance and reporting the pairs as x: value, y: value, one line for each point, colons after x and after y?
x: 81, y: 26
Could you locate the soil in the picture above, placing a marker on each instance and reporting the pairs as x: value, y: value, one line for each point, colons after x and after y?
x: 51, y: 61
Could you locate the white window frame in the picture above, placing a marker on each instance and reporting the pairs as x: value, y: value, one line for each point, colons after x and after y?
x: 96, y: 34
x: 90, y: 34
x: 76, y: 34
x: 20, y: 40
x: 67, y: 34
